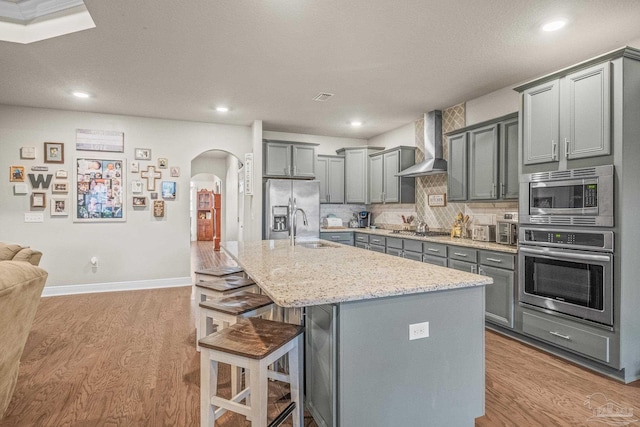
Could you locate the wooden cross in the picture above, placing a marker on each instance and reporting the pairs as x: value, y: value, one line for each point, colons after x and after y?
x: 151, y: 174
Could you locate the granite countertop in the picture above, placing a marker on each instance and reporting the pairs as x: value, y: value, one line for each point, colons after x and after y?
x: 299, y: 276
x: 491, y: 246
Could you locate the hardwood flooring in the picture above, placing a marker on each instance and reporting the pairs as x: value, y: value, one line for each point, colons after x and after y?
x: 129, y: 359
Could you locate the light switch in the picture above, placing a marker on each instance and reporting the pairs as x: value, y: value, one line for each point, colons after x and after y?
x: 33, y: 217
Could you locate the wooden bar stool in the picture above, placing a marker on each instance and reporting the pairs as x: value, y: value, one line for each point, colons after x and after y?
x: 221, y: 287
x: 210, y: 273
x: 252, y: 344
x: 226, y: 311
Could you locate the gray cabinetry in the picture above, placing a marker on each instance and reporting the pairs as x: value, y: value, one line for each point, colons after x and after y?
x: 289, y: 159
x: 483, y: 163
x: 579, y: 338
x: 541, y: 127
x: 509, y: 176
x: 376, y: 184
x: 586, y: 124
x: 499, y: 296
x: 356, y: 176
x: 330, y: 173
x: 344, y: 237
x: 385, y: 186
x: 568, y: 117
x: 321, y: 370
x: 457, y: 168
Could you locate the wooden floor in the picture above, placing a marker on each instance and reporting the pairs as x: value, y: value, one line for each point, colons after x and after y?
x: 129, y: 359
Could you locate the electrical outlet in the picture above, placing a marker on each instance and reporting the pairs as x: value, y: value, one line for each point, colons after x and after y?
x: 418, y: 330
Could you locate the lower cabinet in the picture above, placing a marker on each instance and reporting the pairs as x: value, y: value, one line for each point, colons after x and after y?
x: 321, y: 370
x: 435, y: 260
x: 500, y: 296
x: 416, y: 256
x: 344, y: 237
x: 572, y: 336
x: 469, y: 267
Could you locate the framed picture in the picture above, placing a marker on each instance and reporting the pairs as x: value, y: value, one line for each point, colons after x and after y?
x: 99, y: 140
x: 61, y: 174
x: 168, y: 190
x: 99, y: 190
x: 139, y: 201
x: 163, y: 163
x: 59, y: 207
x: 38, y: 200
x: 16, y: 173
x: 158, y: 208
x: 134, y: 167
x: 28, y: 153
x: 60, y: 187
x: 53, y: 152
x: 142, y: 154
x: 136, y: 187
x: 153, y: 195
x: 175, y: 171
x: 437, y: 200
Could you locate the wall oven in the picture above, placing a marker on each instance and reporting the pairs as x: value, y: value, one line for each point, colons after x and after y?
x: 582, y: 197
x: 567, y: 271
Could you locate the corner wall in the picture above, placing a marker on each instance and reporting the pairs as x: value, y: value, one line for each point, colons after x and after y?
x: 143, y: 248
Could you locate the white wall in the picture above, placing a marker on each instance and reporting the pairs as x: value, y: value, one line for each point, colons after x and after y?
x: 492, y: 105
x: 404, y: 135
x: 231, y: 200
x: 143, y: 247
x: 328, y: 144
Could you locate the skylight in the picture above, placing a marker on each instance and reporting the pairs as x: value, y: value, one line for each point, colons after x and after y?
x: 28, y: 21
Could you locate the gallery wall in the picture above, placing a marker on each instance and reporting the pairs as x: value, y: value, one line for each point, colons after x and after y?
x: 143, y: 249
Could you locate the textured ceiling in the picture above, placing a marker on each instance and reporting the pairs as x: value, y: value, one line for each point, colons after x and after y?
x: 386, y: 61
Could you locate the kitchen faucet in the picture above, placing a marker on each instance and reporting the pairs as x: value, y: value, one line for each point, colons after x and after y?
x: 294, y: 220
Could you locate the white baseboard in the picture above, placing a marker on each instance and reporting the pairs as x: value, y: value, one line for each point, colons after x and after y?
x: 135, y: 285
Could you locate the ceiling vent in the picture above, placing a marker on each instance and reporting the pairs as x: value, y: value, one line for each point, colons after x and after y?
x: 322, y: 96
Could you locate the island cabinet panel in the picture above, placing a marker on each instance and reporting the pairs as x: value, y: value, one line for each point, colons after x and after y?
x: 367, y: 376
x: 320, y: 364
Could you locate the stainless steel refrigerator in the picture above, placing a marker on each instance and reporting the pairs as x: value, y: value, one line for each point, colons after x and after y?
x: 284, y: 196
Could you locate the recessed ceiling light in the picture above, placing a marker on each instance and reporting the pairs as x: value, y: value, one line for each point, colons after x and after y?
x: 554, y: 25
x: 222, y: 109
x: 356, y: 123
x: 81, y: 95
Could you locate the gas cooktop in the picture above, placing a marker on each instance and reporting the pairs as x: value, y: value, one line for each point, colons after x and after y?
x: 420, y: 234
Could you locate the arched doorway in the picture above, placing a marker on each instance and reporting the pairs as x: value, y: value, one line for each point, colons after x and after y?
x: 218, y: 171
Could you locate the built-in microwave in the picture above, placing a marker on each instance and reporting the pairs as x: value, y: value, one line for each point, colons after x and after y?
x: 582, y: 197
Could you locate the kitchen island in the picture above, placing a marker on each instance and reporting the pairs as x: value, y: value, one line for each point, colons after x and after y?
x: 362, y: 369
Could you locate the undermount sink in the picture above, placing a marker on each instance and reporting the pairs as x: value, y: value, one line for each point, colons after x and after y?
x: 315, y: 245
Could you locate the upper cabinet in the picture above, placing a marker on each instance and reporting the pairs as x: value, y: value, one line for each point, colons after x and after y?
x: 568, y: 117
x: 356, y: 173
x: 483, y: 161
x: 289, y: 160
x: 385, y: 186
x: 330, y: 173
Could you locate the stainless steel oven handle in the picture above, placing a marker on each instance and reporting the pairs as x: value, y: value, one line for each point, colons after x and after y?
x: 565, y: 255
x: 559, y: 335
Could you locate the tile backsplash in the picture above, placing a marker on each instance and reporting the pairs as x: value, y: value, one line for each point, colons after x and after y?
x: 341, y: 211
x: 440, y: 217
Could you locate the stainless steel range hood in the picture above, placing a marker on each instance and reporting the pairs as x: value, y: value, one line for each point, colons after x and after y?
x: 433, y: 163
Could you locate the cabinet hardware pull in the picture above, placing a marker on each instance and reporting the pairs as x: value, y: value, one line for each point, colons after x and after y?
x: 554, y: 150
x: 474, y: 269
x: 459, y: 254
x: 564, y: 337
x: 481, y: 271
x: 502, y: 190
x: 494, y: 260
x: 493, y: 189
x: 566, y: 148
x: 335, y: 237
x: 433, y: 250
x: 295, y: 170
